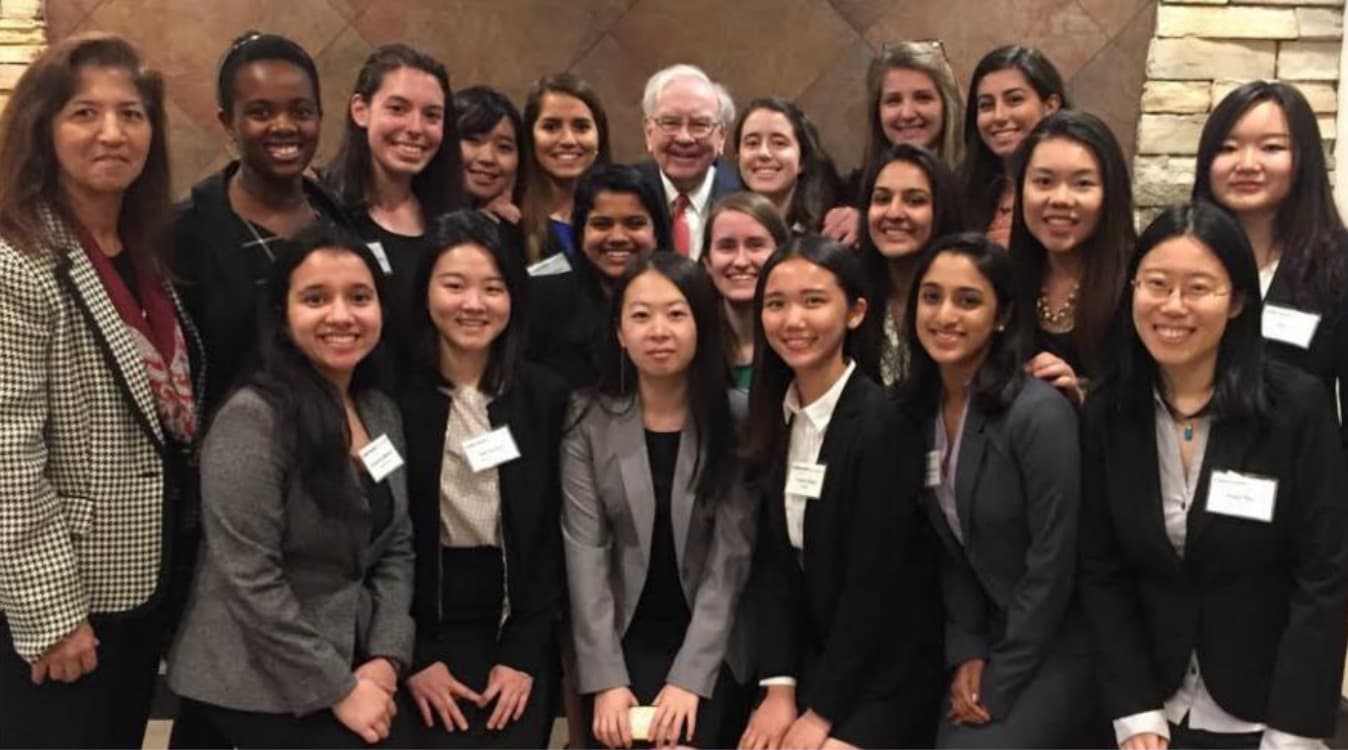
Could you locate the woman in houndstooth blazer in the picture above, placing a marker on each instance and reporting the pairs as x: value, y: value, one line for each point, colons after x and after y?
x: 97, y: 407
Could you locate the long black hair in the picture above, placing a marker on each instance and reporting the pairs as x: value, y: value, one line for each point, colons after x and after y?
x: 479, y: 109
x: 1104, y: 254
x: 766, y: 434
x: 306, y: 404
x: 453, y: 230
x: 1239, y: 390
x: 983, y: 174
x: 1002, y: 374
x: 946, y: 218
x: 707, y: 377
x: 438, y: 187
x: 818, y: 187
x: 1308, y: 225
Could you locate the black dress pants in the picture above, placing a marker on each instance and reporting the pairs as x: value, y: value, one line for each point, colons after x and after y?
x: 107, y: 708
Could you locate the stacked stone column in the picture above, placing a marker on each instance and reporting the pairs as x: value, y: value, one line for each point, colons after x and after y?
x: 23, y: 35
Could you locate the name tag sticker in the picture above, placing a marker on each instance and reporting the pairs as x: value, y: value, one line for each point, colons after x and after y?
x: 806, y: 479
x: 381, y: 257
x: 641, y: 717
x: 1289, y: 326
x: 380, y: 458
x: 1242, y: 496
x: 933, y: 469
x: 490, y: 449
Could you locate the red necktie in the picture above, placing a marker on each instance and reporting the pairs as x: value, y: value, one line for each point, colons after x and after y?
x: 679, y: 225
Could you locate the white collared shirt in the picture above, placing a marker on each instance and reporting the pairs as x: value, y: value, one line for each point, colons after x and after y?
x: 699, y: 203
x: 807, y: 437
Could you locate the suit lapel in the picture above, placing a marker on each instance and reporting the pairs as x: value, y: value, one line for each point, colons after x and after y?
x: 635, y: 467
x: 837, y: 441
x: 1228, y: 445
x: 973, y: 443
x: 1141, y: 479
x: 80, y: 281
x: 682, y: 495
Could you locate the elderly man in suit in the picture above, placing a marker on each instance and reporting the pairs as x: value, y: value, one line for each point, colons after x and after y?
x: 686, y: 116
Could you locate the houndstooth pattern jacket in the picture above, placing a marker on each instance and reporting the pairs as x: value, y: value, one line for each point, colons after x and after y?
x: 84, y: 522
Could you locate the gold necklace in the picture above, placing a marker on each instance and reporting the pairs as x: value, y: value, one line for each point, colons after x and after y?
x: 1061, y: 320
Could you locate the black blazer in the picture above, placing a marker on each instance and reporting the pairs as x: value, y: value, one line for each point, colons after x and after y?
x: 568, y: 329
x: 1009, y: 587
x: 1327, y: 356
x: 1263, y: 604
x: 864, y: 610
x: 533, y: 406
x: 724, y: 182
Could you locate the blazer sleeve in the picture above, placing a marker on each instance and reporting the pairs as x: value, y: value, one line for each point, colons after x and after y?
x: 392, y: 631
x: 772, y: 598
x: 699, y: 659
x: 243, y: 476
x: 1044, y: 439
x: 1304, y: 691
x: 41, y: 590
x: 586, y: 540
x: 527, y: 640
x: 1108, y: 587
x: 877, y: 538
x: 966, y: 612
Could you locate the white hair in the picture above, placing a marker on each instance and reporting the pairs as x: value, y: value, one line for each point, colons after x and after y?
x: 656, y: 85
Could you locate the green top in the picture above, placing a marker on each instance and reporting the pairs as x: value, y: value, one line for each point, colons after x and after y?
x: 742, y: 375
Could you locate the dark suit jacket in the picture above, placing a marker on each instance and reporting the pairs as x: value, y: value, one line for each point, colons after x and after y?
x: 568, y: 324
x: 533, y: 406
x: 1263, y: 604
x: 724, y: 182
x: 1327, y: 356
x: 1008, y: 589
x: 864, y: 610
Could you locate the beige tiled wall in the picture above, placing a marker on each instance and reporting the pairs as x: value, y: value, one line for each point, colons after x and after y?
x: 812, y: 50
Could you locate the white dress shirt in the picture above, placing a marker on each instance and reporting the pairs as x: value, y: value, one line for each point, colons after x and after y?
x: 807, y: 437
x: 699, y: 203
x: 1192, y: 699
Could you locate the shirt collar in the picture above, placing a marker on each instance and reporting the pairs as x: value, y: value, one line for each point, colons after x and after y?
x: 699, y: 198
x: 821, y: 410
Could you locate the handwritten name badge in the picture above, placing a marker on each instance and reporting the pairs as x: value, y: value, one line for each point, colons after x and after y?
x: 381, y: 257
x: 933, y: 469
x: 1289, y: 326
x: 1242, y: 495
x: 490, y: 449
x: 806, y: 479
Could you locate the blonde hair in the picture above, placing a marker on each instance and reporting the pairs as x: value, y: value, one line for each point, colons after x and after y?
x: 928, y: 57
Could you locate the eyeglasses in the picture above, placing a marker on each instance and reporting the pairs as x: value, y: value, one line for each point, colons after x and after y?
x: 698, y: 127
x: 1160, y: 289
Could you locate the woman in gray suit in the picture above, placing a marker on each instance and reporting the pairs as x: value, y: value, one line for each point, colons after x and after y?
x: 656, y: 525
x: 299, y: 619
x: 1003, y: 490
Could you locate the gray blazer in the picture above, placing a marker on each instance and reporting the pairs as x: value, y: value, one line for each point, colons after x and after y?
x: 608, y: 511
x: 289, y: 595
x: 1008, y: 590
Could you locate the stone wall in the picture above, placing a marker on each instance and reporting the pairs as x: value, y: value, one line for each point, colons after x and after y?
x: 23, y: 34
x: 1204, y: 48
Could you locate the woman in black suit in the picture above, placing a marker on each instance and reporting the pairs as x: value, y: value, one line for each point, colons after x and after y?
x: 843, y: 580
x: 1260, y: 158
x: 489, y: 576
x: 1003, y: 481
x: 617, y: 215
x: 1214, y: 557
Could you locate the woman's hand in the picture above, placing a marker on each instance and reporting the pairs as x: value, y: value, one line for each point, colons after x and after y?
x: 842, y: 223
x: 611, y: 723
x: 1057, y: 373
x: 771, y: 720
x: 503, y: 209
x: 510, y: 689
x: 1145, y: 741
x: 675, y: 708
x: 70, y: 658
x: 382, y: 671
x: 367, y: 710
x: 807, y: 732
x: 964, y: 687
x: 435, y: 688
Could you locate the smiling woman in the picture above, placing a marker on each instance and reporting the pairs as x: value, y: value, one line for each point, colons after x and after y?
x: 226, y: 231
